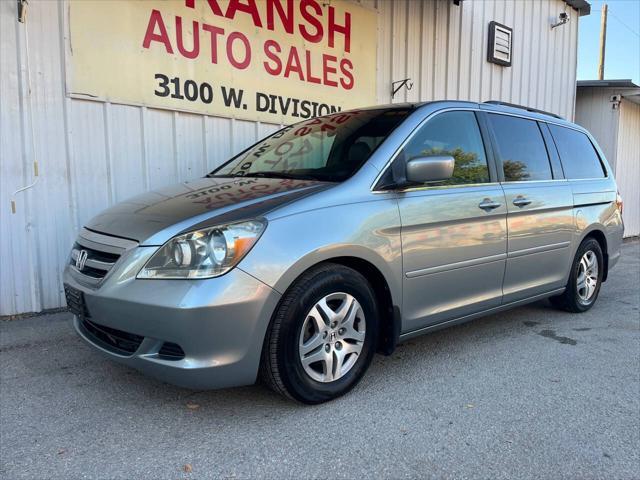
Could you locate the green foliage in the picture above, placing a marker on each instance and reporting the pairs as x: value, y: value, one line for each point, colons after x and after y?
x: 468, y: 167
x: 514, y: 170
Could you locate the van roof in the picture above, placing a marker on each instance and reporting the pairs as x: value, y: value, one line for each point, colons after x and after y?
x: 527, y: 112
x: 490, y: 106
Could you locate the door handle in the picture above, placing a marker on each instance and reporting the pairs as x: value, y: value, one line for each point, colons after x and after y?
x: 521, y: 201
x: 487, y: 205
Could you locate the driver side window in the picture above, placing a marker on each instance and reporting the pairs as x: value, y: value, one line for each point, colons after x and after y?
x: 456, y: 134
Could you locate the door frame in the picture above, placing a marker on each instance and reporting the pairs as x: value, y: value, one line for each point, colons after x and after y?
x: 557, y: 180
x: 428, y: 190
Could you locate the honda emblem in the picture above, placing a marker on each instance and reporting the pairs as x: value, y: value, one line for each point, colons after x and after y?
x: 81, y: 259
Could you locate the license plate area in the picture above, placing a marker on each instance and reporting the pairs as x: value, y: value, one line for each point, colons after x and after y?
x: 75, y: 302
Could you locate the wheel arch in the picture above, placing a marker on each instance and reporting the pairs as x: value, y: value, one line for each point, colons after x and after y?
x: 390, y: 325
x: 388, y: 300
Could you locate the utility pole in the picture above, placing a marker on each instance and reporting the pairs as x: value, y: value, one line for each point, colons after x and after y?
x: 603, y: 41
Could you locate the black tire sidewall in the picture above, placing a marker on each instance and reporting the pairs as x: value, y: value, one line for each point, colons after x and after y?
x: 296, y: 380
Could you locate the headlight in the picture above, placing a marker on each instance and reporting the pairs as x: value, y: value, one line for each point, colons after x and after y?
x: 204, y: 253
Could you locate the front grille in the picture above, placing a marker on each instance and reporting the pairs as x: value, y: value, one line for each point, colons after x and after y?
x: 95, y: 255
x: 95, y: 264
x: 117, y: 341
x: 171, y: 351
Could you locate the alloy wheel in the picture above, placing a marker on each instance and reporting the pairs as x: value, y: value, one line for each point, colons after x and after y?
x: 587, y: 280
x: 332, y: 337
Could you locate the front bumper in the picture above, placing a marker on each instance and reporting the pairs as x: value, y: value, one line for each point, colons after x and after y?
x: 219, y: 323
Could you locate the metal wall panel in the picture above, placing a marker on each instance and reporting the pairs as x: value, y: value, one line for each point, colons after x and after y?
x: 18, y: 288
x: 92, y: 154
x: 443, y: 49
x: 628, y: 163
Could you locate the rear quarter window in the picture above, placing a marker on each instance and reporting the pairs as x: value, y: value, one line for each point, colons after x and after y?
x: 577, y: 154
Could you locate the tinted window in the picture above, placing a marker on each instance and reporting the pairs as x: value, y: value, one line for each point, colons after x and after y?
x: 579, y: 158
x: 521, y: 148
x: 330, y: 148
x: 456, y: 134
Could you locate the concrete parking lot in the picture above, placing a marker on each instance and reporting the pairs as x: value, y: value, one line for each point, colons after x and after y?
x: 530, y: 393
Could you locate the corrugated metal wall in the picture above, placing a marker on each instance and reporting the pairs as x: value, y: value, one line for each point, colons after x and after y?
x: 93, y: 154
x: 628, y: 165
x: 443, y: 48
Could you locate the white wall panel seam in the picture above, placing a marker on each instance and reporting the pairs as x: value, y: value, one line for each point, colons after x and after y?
x: 108, y: 152
x: 407, y: 49
x: 205, y: 152
x: 574, y: 28
x: 144, y: 150
x: 10, y: 283
x: 72, y: 196
x: 29, y: 154
x: 491, y: 70
x: 10, y: 292
x: 175, y: 153
x: 418, y: 81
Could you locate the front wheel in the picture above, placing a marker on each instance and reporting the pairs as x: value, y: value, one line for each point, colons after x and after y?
x: 585, y: 279
x: 323, y: 335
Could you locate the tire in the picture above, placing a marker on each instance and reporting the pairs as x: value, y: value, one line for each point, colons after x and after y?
x: 575, y: 299
x: 345, y: 346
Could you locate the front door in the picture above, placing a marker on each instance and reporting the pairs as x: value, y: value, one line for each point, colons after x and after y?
x: 540, y: 208
x: 454, y: 235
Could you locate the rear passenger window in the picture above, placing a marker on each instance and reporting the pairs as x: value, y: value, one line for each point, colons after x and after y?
x: 456, y: 134
x: 521, y: 148
x: 579, y: 158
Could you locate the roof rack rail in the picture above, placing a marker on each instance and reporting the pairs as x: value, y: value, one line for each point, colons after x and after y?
x: 522, y: 107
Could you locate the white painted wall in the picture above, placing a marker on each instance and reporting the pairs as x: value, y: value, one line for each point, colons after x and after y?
x: 92, y: 154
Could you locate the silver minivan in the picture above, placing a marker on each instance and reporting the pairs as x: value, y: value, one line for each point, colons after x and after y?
x: 341, y: 236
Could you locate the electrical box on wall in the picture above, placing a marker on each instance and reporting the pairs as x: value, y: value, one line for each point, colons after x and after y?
x: 500, y: 44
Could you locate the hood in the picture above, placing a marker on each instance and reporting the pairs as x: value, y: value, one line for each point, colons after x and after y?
x: 154, y: 217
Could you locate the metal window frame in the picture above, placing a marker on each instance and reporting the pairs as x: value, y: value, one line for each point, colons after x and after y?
x: 489, y: 147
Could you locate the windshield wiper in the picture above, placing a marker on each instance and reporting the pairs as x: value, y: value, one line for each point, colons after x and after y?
x: 270, y: 174
x: 222, y: 175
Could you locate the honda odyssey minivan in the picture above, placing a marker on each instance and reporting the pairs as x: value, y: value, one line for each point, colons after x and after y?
x: 341, y: 236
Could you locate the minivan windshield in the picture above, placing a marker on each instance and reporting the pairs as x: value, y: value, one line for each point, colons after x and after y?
x: 329, y: 148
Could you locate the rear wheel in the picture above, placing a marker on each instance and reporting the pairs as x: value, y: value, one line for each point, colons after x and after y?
x: 585, y: 279
x: 323, y: 335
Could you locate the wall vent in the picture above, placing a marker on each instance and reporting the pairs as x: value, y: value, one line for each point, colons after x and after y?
x: 500, y: 44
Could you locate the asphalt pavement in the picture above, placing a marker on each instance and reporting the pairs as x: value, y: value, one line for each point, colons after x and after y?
x: 529, y: 393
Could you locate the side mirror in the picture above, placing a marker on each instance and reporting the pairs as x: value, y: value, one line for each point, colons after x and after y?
x: 430, y: 169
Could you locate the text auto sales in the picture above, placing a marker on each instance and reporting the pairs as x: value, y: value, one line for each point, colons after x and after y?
x: 304, y: 17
